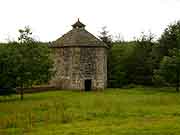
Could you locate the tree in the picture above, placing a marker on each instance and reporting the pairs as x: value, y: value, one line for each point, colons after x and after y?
x: 169, y: 48
x: 120, y: 52
x: 169, y: 71
x: 169, y: 39
x: 26, y: 62
x: 106, y: 38
x: 34, y: 60
x: 118, y: 38
x: 140, y: 64
x: 132, y: 62
x: 7, y: 65
x: 25, y: 35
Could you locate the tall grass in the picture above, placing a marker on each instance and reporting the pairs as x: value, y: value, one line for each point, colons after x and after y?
x: 128, y: 109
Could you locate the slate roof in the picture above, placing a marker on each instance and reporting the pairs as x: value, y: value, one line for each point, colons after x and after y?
x: 78, y: 37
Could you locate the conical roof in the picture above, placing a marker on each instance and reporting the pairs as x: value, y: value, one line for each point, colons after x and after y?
x: 78, y: 37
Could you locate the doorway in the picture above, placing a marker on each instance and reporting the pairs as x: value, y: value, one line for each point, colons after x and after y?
x: 87, y: 85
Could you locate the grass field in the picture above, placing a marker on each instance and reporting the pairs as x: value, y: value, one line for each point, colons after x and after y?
x: 136, y: 111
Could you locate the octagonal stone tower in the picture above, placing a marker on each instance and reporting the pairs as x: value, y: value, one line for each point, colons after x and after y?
x: 80, y: 60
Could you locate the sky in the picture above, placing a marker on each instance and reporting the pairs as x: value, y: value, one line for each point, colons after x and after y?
x: 50, y: 19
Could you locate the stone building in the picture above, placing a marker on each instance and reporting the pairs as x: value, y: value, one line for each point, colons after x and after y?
x: 80, y: 60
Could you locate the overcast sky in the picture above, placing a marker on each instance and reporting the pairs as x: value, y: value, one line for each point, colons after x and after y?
x: 49, y: 19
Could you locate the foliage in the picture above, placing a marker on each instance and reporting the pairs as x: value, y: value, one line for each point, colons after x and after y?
x: 140, y: 64
x: 25, y: 63
x: 25, y: 35
x: 132, y: 62
x: 32, y: 59
x: 7, y: 63
x: 105, y: 36
x: 170, y: 38
x: 120, y: 53
x: 143, y: 62
x: 169, y: 70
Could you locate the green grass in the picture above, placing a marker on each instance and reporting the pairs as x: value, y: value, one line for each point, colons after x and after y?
x: 136, y: 111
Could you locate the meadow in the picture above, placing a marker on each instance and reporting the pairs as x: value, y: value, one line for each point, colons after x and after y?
x: 133, y: 111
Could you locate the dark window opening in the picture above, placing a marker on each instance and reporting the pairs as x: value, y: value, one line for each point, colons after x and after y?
x: 87, y: 85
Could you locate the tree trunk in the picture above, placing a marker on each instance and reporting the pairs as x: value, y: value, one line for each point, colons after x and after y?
x: 177, y: 80
x: 22, y: 93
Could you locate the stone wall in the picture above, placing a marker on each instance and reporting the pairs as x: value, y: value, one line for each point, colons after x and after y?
x: 75, y: 65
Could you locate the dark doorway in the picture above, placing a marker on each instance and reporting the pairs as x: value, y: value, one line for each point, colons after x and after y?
x: 87, y: 85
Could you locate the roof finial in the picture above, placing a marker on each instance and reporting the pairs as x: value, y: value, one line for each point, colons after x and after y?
x: 78, y: 24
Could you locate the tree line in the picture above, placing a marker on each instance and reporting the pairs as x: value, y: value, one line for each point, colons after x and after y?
x: 145, y: 61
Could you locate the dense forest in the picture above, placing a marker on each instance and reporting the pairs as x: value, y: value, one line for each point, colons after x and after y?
x: 144, y: 61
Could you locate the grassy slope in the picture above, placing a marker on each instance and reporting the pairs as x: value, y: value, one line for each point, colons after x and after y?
x: 128, y: 112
